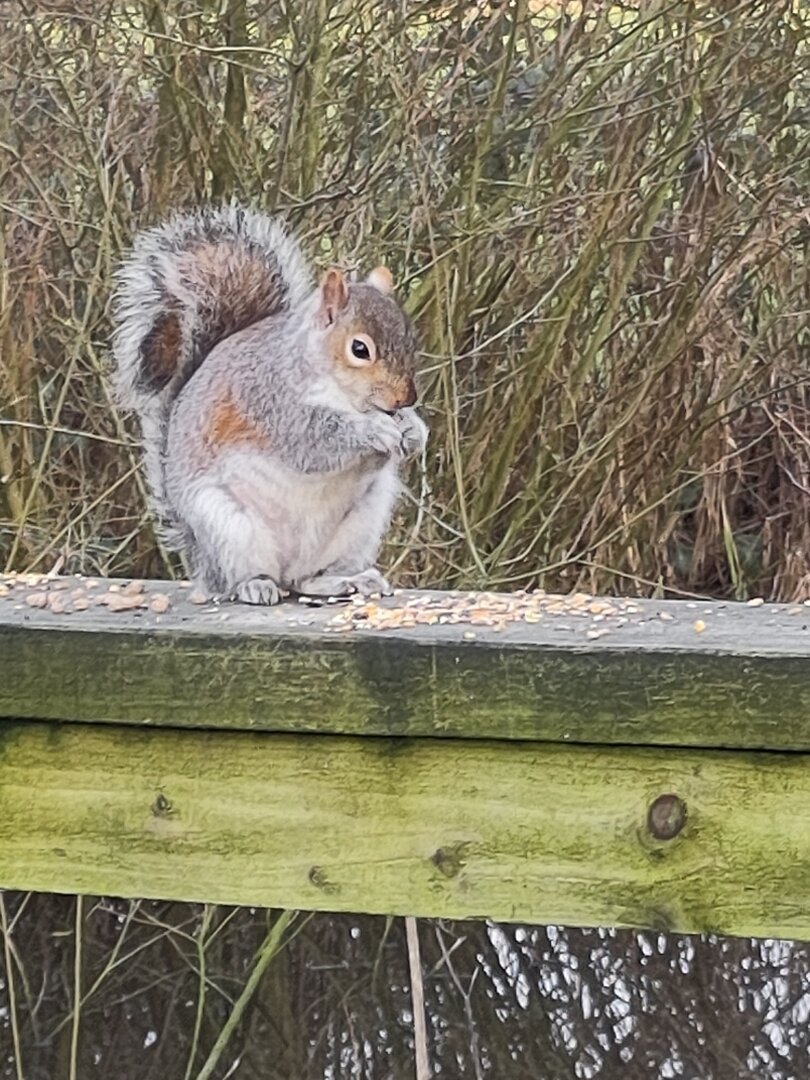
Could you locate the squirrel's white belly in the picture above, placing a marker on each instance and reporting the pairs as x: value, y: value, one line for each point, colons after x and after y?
x: 294, y: 518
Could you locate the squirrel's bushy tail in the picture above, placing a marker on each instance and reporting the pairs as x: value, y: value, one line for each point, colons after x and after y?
x: 185, y: 286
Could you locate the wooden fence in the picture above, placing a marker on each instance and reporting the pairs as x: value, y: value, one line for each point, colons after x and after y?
x: 575, y: 760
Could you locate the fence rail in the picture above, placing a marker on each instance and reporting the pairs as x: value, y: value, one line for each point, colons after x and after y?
x: 579, y: 760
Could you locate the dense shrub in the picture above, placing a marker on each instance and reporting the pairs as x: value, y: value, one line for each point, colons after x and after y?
x: 596, y: 211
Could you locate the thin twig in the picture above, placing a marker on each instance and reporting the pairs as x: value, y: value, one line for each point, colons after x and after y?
x: 77, y: 988
x: 12, y: 998
x: 417, y: 1000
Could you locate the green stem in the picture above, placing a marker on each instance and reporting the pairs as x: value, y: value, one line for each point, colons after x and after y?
x: 270, y: 947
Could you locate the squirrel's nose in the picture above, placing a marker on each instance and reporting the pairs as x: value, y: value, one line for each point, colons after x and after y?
x: 408, y: 398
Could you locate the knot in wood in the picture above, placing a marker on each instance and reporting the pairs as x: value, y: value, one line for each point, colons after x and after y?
x: 318, y: 878
x: 162, y: 807
x: 449, y: 861
x: 666, y: 817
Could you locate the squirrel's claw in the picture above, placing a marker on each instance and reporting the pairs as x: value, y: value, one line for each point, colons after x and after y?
x: 257, y: 590
x: 366, y: 583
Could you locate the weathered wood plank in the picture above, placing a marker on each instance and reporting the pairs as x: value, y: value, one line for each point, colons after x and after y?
x: 742, y: 681
x: 452, y: 828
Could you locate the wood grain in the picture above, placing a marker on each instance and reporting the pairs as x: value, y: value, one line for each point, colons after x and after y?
x: 512, y: 831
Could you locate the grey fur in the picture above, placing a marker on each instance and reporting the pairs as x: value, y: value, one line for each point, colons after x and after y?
x: 269, y: 460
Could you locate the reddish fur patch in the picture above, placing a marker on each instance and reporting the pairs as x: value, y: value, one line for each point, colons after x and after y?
x: 160, y: 351
x: 229, y: 426
x: 245, y: 287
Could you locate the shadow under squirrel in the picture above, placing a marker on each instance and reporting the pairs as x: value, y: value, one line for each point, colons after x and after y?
x: 274, y: 413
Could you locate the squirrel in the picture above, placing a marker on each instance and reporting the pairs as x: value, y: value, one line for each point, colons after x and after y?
x: 274, y: 413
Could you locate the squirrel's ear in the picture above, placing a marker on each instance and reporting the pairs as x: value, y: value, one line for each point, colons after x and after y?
x: 334, y: 295
x: 380, y: 277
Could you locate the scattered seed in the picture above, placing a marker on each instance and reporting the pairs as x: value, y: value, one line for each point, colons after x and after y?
x: 30, y: 579
x: 700, y: 626
x: 493, y: 610
x: 119, y: 602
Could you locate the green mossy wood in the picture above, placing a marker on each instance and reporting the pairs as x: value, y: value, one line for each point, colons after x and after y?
x: 741, y: 680
x: 699, y: 820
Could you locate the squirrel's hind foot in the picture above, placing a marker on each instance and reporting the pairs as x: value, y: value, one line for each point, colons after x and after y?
x: 257, y: 590
x: 366, y: 583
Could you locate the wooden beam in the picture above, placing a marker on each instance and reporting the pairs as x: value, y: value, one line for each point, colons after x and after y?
x: 583, y: 671
x: 254, y: 787
x: 668, y: 839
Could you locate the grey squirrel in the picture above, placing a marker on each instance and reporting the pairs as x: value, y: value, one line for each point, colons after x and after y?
x: 274, y: 413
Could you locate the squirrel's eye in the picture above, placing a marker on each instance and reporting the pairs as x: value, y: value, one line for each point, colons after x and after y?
x: 360, y: 350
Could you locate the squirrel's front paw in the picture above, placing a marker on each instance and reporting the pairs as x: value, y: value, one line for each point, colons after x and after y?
x: 367, y: 583
x: 413, y: 432
x: 257, y: 590
x: 384, y: 434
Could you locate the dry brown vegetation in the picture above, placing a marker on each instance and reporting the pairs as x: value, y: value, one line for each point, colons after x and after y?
x: 598, y: 214
x: 596, y: 211
x: 158, y: 984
